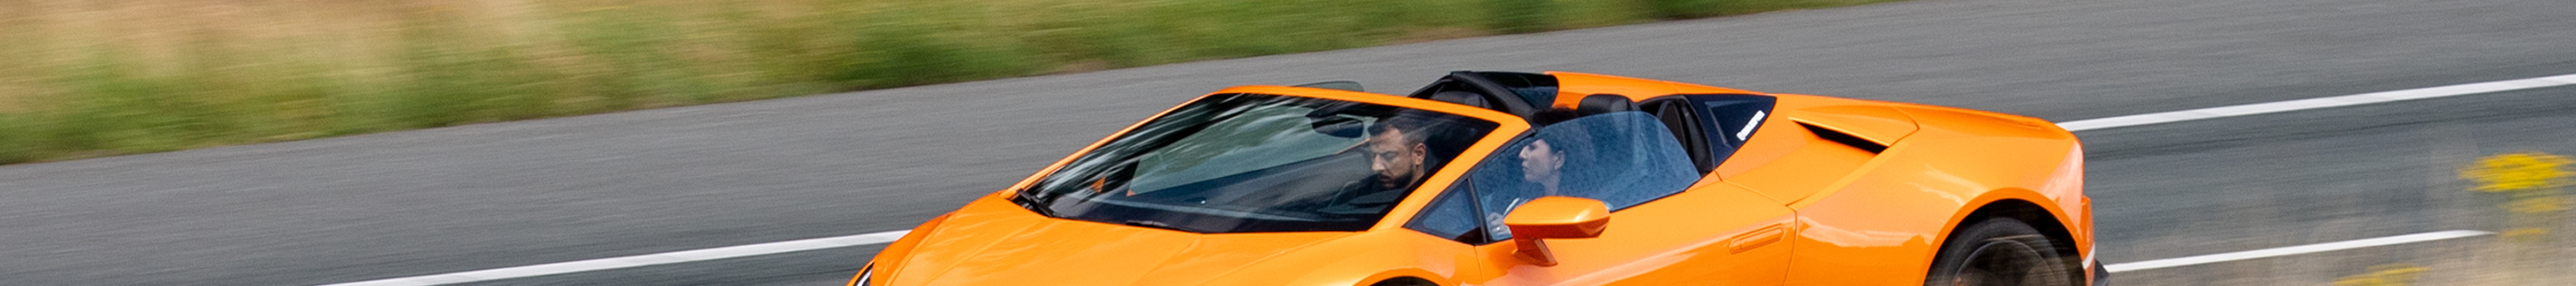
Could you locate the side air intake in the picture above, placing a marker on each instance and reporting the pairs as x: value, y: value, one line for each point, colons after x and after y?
x: 1829, y: 134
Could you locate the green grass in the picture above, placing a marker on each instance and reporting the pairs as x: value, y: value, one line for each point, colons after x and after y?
x: 103, y: 79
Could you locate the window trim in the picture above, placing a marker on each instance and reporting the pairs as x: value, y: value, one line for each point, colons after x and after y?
x: 1475, y: 206
x: 1709, y: 121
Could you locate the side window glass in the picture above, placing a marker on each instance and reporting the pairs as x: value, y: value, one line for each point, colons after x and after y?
x: 1730, y: 119
x: 1623, y: 159
x: 1452, y: 216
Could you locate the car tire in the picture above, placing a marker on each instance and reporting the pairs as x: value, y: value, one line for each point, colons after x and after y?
x: 2000, y: 252
x: 1405, y: 281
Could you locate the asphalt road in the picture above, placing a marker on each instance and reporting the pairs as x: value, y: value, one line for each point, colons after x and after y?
x: 519, y: 193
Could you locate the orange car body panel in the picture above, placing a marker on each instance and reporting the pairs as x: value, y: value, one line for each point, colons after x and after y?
x: 1714, y: 234
x: 1787, y: 208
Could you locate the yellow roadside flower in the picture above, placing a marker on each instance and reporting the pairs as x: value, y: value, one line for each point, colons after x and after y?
x: 2516, y: 171
x: 2538, y: 205
x: 2384, y: 275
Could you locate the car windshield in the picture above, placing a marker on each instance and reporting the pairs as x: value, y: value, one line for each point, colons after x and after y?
x: 1257, y: 163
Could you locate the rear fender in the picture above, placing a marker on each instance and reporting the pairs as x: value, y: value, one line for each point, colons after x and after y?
x: 2064, y: 225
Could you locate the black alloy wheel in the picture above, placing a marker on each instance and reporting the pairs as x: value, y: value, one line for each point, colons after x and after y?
x: 2000, y: 252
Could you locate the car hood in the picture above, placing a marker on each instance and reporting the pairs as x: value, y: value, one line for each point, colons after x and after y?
x: 990, y: 243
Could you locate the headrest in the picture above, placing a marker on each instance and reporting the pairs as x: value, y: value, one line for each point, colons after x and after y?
x: 1604, y: 103
x: 1463, y: 98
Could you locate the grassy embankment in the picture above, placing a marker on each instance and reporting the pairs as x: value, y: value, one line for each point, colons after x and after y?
x: 90, y: 78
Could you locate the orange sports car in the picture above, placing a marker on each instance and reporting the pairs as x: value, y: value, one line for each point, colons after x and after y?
x: 1505, y: 178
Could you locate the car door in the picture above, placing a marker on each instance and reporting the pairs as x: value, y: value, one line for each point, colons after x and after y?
x: 1667, y: 225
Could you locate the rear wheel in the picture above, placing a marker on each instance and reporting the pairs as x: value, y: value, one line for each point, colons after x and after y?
x: 1405, y: 281
x: 1999, y: 252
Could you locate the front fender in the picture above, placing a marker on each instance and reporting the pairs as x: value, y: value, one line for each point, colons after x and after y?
x: 1361, y: 260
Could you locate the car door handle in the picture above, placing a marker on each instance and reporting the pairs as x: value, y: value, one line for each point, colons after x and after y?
x: 1757, y: 238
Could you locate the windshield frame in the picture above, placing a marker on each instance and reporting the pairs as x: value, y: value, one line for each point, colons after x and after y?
x: 1506, y: 127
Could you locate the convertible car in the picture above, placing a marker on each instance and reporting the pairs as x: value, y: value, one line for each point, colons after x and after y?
x: 1507, y: 178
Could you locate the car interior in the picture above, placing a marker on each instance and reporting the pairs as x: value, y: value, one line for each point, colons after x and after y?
x: 1530, y: 96
x: 1520, y: 94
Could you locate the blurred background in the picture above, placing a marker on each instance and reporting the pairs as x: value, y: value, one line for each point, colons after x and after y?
x: 251, y: 142
x: 92, y: 78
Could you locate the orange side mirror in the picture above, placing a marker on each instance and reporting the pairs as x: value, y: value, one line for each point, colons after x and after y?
x: 1554, y: 218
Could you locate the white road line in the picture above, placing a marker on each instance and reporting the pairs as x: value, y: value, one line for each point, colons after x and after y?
x: 2293, y: 250
x: 890, y: 236
x: 2315, y: 103
x: 638, y: 260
